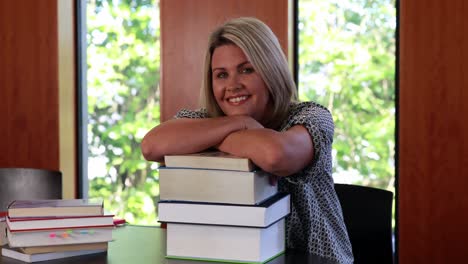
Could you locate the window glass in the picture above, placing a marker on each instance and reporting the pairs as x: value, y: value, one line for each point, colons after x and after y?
x: 347, y: 63
x: 123, y: 104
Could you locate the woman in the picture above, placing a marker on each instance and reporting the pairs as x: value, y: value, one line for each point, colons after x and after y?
x: 248, y: 110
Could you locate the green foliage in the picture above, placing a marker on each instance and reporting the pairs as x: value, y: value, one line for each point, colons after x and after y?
x: 347, y: 63
x: 123, y: 104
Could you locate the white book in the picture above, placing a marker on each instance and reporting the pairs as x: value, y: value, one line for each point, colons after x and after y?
x: 58, y: 237
x: 225, y: 243
x: 54, y: 208
x: 217, y: 186
x: 261, y: 215
x: 61, y: 248
x: 209, y: 160
x: 11, y: 253
x: 28, y: 223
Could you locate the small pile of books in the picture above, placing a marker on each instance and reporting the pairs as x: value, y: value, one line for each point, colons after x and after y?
x: 39, y: 230
x: 218, y: 207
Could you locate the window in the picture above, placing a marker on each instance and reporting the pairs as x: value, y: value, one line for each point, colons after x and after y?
x: 123, y: 104
x: 347, y: 63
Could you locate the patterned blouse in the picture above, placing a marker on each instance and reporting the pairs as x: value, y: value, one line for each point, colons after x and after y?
x: 316, y: 221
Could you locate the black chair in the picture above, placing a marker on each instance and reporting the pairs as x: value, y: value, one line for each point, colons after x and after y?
x: 367, y: 214
x: 26, y: 183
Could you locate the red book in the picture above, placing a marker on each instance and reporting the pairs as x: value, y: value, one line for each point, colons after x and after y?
x: 36, y: 224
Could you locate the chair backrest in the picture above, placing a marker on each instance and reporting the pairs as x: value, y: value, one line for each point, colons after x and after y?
x: 25, y: 184
x: 367, y: 214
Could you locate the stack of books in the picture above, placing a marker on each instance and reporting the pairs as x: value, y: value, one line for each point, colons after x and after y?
x: 39, y: 230
x: 218, y: 207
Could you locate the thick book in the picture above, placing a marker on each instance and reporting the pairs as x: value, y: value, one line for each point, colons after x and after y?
x: 225, y: 243
x: 217, y: 186
x: 29, y: 258
x: 62, y: 248
x: 209, y: 160
x: 56, y: 237
x: 55, y: 208
x: 31, y: 224
x: 261, y: 215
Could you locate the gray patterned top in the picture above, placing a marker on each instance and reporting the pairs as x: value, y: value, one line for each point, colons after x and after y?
x: 316, y: 222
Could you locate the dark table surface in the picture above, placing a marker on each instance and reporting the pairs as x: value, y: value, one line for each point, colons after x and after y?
x: 147, y: 245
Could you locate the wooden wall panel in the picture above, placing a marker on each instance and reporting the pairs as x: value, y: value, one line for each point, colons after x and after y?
x: 185, y: 27
x: 433, y: 132
x: 29, y: 135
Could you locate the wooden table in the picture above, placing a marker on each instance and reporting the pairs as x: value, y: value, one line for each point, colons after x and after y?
x: 147, y: 245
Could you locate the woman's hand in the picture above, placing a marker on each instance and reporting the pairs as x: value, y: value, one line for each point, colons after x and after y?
x: 247, y: 122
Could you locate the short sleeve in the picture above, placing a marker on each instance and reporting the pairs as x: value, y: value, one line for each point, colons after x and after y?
x: 319, y: 123
x: 186, y: 113
x: 317, y: 120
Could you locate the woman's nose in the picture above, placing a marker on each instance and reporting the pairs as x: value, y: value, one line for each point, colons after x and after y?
x: 233, y: 83
x: 234, y: 89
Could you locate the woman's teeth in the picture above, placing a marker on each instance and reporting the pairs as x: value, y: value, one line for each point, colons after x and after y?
x: 237, y: 99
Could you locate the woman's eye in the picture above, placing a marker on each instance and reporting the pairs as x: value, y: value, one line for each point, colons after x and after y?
x: 247, y: 70
x: 221, y: 75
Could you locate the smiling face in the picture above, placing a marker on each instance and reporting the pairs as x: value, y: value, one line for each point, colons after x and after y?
x: 237, y: 87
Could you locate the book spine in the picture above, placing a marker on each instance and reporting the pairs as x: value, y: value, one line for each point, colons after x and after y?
x: 64, y: 237
x: 59, y: 228
x: 19, y: 219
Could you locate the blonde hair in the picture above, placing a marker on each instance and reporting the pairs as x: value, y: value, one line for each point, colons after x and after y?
x: 262, y: 49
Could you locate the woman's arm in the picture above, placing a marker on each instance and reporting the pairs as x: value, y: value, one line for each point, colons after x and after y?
x: 186, y: 135
x: 280, y: 153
